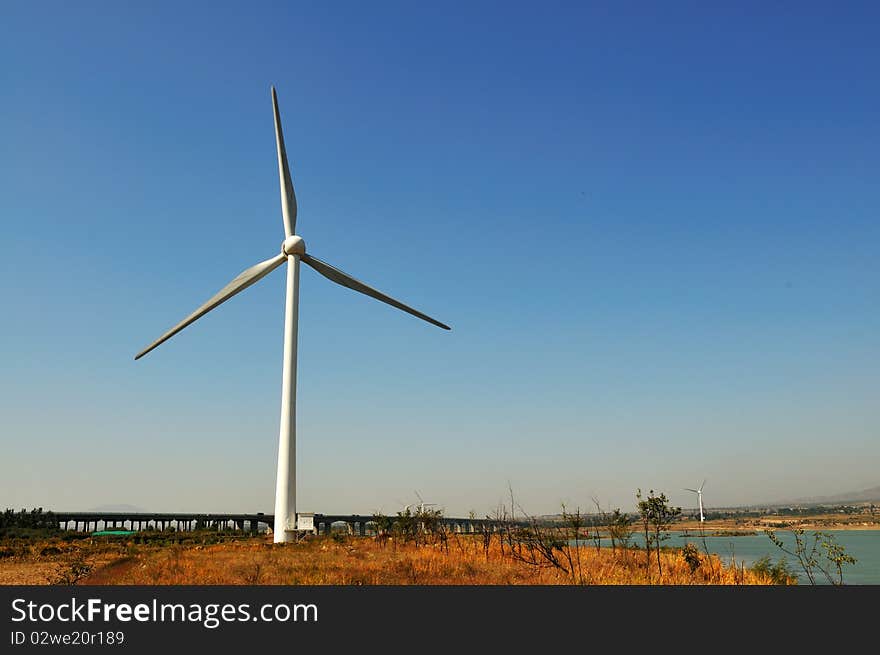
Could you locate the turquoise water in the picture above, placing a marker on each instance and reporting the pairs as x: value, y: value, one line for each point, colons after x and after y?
x: 864, y: 545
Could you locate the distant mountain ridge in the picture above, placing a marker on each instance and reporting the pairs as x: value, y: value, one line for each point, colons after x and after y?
x: 863, y: 496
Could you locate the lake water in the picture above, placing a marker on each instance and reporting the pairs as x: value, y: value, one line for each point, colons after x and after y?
x: 864, y: 545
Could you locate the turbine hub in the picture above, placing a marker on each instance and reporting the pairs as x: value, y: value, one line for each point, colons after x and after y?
x: 293, y: 245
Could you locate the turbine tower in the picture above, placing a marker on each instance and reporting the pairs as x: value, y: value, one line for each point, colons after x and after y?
x: 699, y: 493
x: 293, y: 251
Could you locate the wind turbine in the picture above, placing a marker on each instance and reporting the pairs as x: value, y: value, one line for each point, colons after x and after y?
x: 699, y: 493
x: 423, y: 504
x: 293, y: 251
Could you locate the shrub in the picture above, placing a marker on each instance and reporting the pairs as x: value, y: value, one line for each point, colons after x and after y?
x: 779, y: 573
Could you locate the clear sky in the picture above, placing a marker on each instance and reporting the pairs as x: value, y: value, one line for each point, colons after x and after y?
x: 654, y: 232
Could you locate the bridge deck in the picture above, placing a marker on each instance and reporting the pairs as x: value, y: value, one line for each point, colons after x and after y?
x: 247, y: 522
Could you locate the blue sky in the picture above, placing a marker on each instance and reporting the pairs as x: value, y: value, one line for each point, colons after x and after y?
x: 654, y: 231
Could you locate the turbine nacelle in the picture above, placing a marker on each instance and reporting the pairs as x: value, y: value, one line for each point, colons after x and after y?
x: 293, y: 245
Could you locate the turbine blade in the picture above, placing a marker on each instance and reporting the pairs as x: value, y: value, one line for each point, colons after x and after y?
x: 346, y: 280
x: 242, y: 281
x: 702, y: 485
x: 694, y: 490
x: 288, y: 197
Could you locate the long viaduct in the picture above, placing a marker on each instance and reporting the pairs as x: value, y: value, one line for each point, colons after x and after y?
x: 182, y: 522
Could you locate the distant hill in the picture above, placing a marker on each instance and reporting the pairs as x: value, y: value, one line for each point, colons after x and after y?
x: 864, y: 496
x: 117, y: 508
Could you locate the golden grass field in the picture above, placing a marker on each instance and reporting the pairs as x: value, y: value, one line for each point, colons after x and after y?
x: 463, y: 560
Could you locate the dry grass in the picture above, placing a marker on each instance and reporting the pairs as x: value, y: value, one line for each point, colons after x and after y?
x: 359, y: 561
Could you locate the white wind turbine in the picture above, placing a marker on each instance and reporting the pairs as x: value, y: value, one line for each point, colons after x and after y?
x: 699, y: 493
x: 423, y: 504
x: 293, y: 250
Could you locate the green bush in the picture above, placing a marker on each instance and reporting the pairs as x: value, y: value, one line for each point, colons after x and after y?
x: 780, y: 572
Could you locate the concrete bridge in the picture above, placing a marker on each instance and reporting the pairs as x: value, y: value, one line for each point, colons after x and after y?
x: 184, y: 522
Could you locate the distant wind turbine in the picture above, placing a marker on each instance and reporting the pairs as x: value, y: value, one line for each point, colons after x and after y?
x: 293, y: 250
x: 699, y: 493
x: 423, y: 504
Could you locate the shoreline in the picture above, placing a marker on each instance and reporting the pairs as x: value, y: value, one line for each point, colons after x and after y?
x: 782, y: 525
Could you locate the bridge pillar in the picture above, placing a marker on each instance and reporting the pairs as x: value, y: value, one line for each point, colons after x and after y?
x: 362, y: 528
